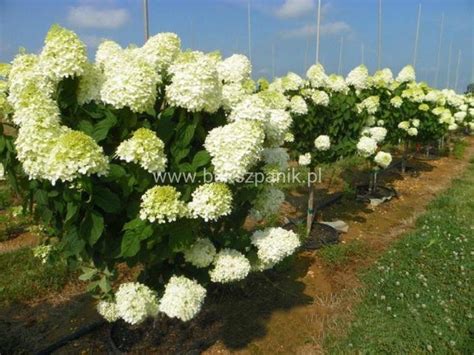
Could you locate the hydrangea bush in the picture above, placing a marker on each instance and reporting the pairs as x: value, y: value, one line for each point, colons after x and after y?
x: 106, y: 145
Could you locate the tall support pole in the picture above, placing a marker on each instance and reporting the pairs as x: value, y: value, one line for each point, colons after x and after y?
x: 249, y: 29
x: 362, y: 53
x: 456, y: 80
x: 417, y: 36
x: 438, y: 59
x: 379, y: 36
x: 448, y: 76
x: 145, y: 20
x: 318, y: 26
x: 341, y: 48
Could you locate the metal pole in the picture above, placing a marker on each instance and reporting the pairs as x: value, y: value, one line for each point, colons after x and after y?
x: 438, y: 60
x: 318, y: 25
x: 339, y: 67
x: 249, y: 29
x: 362, y: 53
x: 449, y: 65
x: 457, y: 71
x: 379, y: 46
x: 145, y: 18
x: 415, y: 53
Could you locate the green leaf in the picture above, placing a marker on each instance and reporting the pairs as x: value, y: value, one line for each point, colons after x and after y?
x: 72, y: 209
x: 135, y: 231
x: 92, y: 227
x: 41, y: 197
x: 181, y: 236
x: 106, y: 199
x: 115, y: 172
x: 102, y: 128
x: 86, y: 127
x: 201, y: 158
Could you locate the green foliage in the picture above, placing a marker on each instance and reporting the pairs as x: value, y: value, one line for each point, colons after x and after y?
x: 418, y: 297
x: 25, y: 277
x: 340, y: 254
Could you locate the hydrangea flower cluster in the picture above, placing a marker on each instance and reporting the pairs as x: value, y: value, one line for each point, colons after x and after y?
x: 235, y: 69
x: 383, y: 159
x: 382, y: 78
x: 298, y: 105
x: 161, y: 50
x: 377, y: 133
x: 410, y: 127
x: 195, y: 83
x: 366, y: 146
x: 276, y: 157
x: 292, y: 82
x: 317, y: 76
x: 211, y: 201
x: 234, y: 148
x: 396, y: 101
x: 229, y: 265
x: 320, y: 97
x: 162, y: 204
x: 273, y: 245
x: 277, y: 126
x: 358, y: 77
x: 145, y: 149
x: 304, y: 159
x: 337, y: 83
x: 268, y: 203
x: 201, y: 253
x: 407, y: 74
x: 370, y: 105
x: 182, y: 298
x: 134, y: 303
x: 108, y: 310
x: 322, y: 143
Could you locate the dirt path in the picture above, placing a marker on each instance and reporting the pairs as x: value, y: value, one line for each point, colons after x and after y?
x: 286, y: 312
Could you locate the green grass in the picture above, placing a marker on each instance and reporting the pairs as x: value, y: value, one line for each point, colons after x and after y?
x: 340, y: 254
x: 419, y: 296
x: 25, y: 277
x: 459, y: 148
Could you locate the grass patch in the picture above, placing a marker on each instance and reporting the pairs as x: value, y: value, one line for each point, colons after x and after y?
x: 339, y: 254
x: 418, y: 296
x: 459, y: 148
x: 25, y: 277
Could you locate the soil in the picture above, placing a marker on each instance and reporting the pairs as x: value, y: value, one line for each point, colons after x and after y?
x: 285, y: 311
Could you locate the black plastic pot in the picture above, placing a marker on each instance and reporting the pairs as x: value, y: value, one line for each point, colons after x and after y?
x: 366, y: 194
x: 321, y: 235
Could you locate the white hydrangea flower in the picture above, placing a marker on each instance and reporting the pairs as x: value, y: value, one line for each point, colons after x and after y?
x: 415, y: 122
x: 380, y: 123
x: 108, y: 310
x: 453, y: 127
x: 405, y: 125
x: 229, y: 265
x: 322, y: 143
x: 161, y: 50
x: 298, y: 105
x: 407, y: 74
x: 291, y: 82
x: 337, y: 83
x: 235, y: 69
x: 182, y: 299
x: 289, y: 137
x: 304, y: 159
x: 383, y: 78
x: 316, y: 75
x: 277, y: 126
x: 37, y: 109
x: 358, y: 77
x: 234, y: 148
x: 276, y: 157
x: 320, y: 98
x: 129, y: 82
x: 211, y: 201
x: 383, y: 159
x: 274, y: 99
x: 273, y: 245
x: 107, y: 54
x: 90, y: 84
x: 370, y: 104
x: 412, y: 131
x: 195, y: 84
x: 378, y: 133
x: 267, y: 203
x: 162, y: 204
x: 136, y: 302
x: 460, y: 116
x: 63, y: 55
x: 366, y: 146
x: 201, y: 253
x: 74, y: 154
x: 396, y: 101
x: 432, y: 96
x: 144, y: 149
x: 424, y: 107
x: 232, y: 94
x: 251, y: 108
